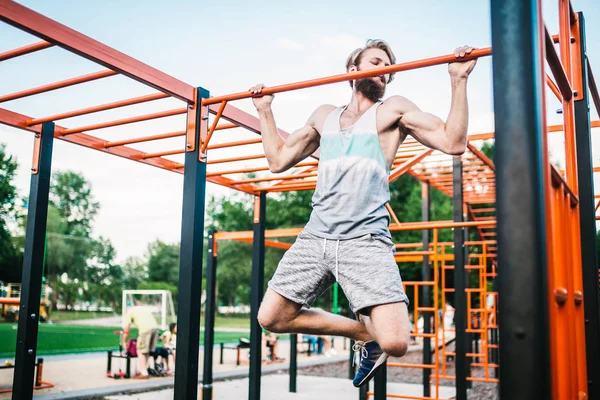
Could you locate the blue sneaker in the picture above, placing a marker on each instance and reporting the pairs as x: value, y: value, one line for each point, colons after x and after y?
x: 371, y: 359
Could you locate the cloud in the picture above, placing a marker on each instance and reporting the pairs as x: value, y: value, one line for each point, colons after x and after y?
x: 289, y: 44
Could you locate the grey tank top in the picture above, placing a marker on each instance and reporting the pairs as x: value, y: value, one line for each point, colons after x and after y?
x: 352, y: 188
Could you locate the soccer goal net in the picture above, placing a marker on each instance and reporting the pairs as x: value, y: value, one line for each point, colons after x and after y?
x: 158, y: 302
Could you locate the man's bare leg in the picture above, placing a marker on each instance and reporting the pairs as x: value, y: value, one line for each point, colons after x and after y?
x: 280, y: 315
x: 390, y: 325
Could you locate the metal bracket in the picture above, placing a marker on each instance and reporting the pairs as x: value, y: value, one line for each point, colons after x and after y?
x: 37, y: 144
x: 257, y: 209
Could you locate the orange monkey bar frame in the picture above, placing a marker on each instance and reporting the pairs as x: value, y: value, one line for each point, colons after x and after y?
x: 423, y: 163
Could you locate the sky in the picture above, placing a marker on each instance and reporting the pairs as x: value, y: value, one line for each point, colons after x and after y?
x: 227, y: 47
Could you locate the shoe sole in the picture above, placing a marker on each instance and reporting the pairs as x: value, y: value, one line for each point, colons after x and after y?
x: 380, y: 362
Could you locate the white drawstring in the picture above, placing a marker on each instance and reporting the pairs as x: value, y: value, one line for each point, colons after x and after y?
x: 324, y: 244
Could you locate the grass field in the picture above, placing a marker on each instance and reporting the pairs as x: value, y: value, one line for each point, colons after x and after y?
x: 65, y: 339
x: 57, y: 316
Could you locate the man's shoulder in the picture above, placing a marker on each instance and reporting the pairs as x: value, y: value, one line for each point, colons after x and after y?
x: 396, y: 101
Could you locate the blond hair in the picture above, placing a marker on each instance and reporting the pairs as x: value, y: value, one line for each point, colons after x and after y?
x: 356, y: 56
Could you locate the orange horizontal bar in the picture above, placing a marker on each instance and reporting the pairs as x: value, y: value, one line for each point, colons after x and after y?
x: 144, y: 139
x: 10, y: 300
x: 226, y: 126
x: 57, y: 85
x: 288, y: 188
x: 408, y: 365
x: 402, y: 396
x: 104, y: 107
x: 234, y: 144
x: 469, y: 378
x: 275, y: 178
x: 234, y: 159
x: 147, y: 117
x: 428, y: 62
x: 162, y: 153
x: 21, y: 51
x: 47, y: 29
x: 410, y: 226
x: 256, y: 169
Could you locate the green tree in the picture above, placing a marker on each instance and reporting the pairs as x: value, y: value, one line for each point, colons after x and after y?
x: 135, y: 271
x: 71, y: 194
x: 10, y: 258
x: 163, y: 262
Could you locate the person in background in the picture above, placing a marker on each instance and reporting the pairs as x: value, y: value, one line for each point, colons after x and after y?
x: 147, y: 327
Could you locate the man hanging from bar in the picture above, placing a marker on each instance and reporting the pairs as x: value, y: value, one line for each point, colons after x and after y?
x: 347, y: 238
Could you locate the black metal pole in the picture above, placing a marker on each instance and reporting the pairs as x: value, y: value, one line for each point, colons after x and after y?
x: 426, y: 290
x: 381, y: 383
x: 210, y: 307
x: 190, y: 269
x: 587, y: 215
x: 362, y: 392
x: 256, y: 294
x: 519, y: 84
x: 351, y: 366
x: 33, y: 266
x: 460, y: 299
x: 293, y: 362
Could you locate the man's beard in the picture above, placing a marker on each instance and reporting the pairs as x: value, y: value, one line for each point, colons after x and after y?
x: 370, y: 89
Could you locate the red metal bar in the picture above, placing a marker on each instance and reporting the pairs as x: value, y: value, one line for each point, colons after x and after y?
x: 21, y: 51
x: 428, y: 62
x: 109, y: 124
x: 104, y: 107
x: 143, y: 139
x: 56, y: 85
x: 47, y: 29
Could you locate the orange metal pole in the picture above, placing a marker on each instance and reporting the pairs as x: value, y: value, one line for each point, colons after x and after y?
x: 57, y: 85
x: 428, y: 62
x: 143, y: 139
x: 275, y: 178
x: 162, y: 153
x: 104, y: 107
x: 234, y: 159
x: 30, y: 48
x: 109, y: 124
x: 256, y: 169
x: 234, y: 144
x: 212, y: 127
x: 436, y: 305
x: 554, y: 88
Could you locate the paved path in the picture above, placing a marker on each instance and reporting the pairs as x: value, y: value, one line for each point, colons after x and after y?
x: 275, y: 387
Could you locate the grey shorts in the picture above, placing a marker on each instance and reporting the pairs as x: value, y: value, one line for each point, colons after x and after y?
x: 365, y: 269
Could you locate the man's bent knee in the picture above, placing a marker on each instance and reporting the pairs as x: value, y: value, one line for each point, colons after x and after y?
x: 394, y: 347
x: 273, y: 320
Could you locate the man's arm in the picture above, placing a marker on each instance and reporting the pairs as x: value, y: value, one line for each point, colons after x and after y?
x: 283, y: 154
x: 449, y: 137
